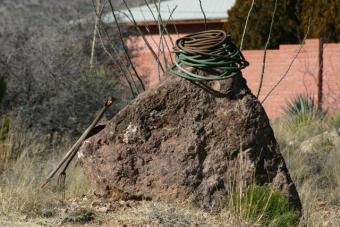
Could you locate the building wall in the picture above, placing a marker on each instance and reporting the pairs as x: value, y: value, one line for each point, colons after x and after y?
x: 301, y: 78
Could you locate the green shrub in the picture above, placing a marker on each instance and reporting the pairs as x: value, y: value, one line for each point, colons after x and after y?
x: 2, y: 89
x: 301, y: 104
x: 302, y: 111
x: 300, y: 120
x: 263, y: 206
x: 5, y: 127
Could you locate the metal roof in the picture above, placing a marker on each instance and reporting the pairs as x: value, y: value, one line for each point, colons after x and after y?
x: 184, y: 10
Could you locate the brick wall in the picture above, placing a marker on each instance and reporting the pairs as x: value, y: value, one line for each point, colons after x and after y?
x: 301, y: 78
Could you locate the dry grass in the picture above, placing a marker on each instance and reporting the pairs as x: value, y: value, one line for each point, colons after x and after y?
x: 312, y: 152
x: 30, y: 157
x: 28, y: 163
x: 160, y: 214
x: 22, y: 201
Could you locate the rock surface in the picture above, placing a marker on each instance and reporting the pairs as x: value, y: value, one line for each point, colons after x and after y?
x: 177, y: 141
x: 330, y: 138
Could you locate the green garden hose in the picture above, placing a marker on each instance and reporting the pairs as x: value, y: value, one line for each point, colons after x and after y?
x: 208, y: 55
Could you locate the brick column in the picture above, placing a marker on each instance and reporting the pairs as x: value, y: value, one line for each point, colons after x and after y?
x: 320, y: 75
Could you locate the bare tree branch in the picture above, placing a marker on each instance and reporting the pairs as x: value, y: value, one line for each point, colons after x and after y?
x: 125, y: 49
x: 289, y: 67
x: 265, y: 51
x: 245, y: 26
x: 117, y: 58
x: 143, y: 37
x: 98, y: 13
x: 165, y: 30
x: 118, y: 62
x: 205, y: 18
x: 161, y: 44
x: 170, y: 18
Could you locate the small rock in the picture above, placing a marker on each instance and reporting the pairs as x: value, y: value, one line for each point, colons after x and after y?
x: 79, y: 217
x: 95, y: 204
x: 24, y: 218
x: 46, y: 213
x: 332, y: 136
x: 102, y: 209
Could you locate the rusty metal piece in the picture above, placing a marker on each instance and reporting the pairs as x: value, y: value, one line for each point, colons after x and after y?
x: 74, y: 149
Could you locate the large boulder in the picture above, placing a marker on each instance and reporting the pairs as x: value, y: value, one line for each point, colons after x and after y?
x: 178, y: 141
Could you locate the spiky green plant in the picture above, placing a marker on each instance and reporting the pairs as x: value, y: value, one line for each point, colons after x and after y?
x: 301, y: 111
x: 301, y: 104
x: 263, y: 206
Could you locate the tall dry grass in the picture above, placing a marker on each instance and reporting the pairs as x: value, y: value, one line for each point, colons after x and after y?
x: 311, y: 147
x: 31, y: 156
x: 28, y: 158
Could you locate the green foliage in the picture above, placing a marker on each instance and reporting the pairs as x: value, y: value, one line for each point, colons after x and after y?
x: 2, y: 88
x: 5, y: 127
x: 285, y: 27
x: 325, y: 18
x: 290, y: 22
x: 301, y: 104
x: 261, y: 205
x: 302, y: 111
x: 301, y: 120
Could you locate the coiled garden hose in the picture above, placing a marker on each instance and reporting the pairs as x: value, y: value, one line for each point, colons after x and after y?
x: 208, y: 55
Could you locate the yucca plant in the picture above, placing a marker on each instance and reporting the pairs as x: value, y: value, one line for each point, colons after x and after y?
x: 301, y: 104
x: 301, y: 111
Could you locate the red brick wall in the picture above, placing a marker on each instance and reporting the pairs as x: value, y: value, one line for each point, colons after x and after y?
x: 302, y: 77
x: 331, y: 75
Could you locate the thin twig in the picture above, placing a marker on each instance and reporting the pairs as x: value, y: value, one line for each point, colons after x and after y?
x: 289, y: 67
x: 164, y: 26
x: 161, y: 32
x: 174, y: 24
x: 265, y: 51
x: 124, y: 47
x: 165, y: 30
x: 98, y: 15
x: 147, y: 28
x: 156, y: 57
x: 169, y: 36
x: 116, y: 59
x: 205, y: 18
x: 153, y: 15
x: 118, y: 62
x: 161, y: 44
x: 143, y: 37
x: 245, y: 26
